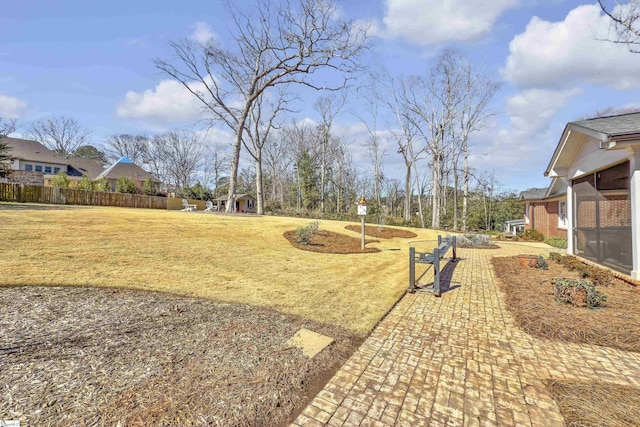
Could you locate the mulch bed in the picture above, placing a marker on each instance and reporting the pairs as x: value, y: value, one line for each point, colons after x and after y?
x: 382, y: 232
x: 529, y: 297
x: 596, y: 403
x: 86, y: 356
x: 329, y: 242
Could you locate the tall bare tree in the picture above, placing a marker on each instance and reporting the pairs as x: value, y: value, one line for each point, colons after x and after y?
x: 60, y: 134
x: 134, y: 147
x: 625, y: 23
x: 178, y: 155
x: 328, y: 107
x: 270, y: 45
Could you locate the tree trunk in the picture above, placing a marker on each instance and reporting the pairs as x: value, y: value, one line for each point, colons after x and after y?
x: 259, y: 183
x: 419, y: 188
x: 408, y: 195
x: 465, y: 201
x: 235, y: 162
x: 455, y: 197
x: 435, y: 197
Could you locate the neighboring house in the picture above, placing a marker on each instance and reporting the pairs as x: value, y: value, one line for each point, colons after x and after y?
x: 35, y: 164
x: 32, y: 156
x: 600, y: 161
x: 545, y: 209
x: 126, y: 168
x: 244, y: 203
x: 514, y: 226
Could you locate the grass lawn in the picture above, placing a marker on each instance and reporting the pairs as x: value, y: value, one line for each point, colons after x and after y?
x: 240, y: 259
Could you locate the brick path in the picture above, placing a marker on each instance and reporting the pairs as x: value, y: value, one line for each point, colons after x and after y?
x: 459, y: 360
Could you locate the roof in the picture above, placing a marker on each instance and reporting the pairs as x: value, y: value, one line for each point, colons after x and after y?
x: 515, y: 221
x: 613, y: 125
x: 24, y: 149
x: 238, y: 197
x: 88, y: 167
x: 533, y: 194
x: 126, y: 168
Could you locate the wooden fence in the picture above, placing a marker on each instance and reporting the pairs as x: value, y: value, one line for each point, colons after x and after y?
x: 70, y: 196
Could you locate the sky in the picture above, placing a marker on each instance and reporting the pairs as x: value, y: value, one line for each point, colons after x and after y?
x: 93, y: 61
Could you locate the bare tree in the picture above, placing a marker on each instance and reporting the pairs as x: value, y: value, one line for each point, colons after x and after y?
x: 625, y: 23
x: 277, y: 162
x: 178, y: 155
x: 8, y: 127
x: 273, y: 45
x: 60, y: 134
x: 328, y: 107
x: 216, y: 165
x: 134, y: 147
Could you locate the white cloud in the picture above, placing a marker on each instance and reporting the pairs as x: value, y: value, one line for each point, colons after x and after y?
x: 11, y: 107
x: 168, y: 101
x: 553, y: 54
x: 428, y: 22
x: 202, y: 33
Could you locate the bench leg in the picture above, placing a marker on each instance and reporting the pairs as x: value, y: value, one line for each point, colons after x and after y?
x: 436, y: 272
x: 412, y: 270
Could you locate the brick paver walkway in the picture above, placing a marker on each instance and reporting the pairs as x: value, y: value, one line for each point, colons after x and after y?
x: 459, y: 360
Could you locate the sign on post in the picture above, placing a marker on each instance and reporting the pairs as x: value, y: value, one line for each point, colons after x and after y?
x: 362, y: 212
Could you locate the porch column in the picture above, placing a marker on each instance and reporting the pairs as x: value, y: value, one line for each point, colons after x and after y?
x: 571, y: 220
x: 634, y: 166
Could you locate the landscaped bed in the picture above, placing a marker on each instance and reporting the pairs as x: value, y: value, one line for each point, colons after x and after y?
x: 87, y: 356
x: 529, y: 297
x: 328, y: 242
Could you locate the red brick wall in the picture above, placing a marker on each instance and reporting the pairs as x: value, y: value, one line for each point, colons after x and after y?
x: 543, y: 216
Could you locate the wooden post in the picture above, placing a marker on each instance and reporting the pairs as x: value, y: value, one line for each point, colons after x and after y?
x: 436, y: 272
x: 362, y: 223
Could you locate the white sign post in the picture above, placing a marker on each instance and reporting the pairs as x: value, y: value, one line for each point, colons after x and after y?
x: 362, y: 212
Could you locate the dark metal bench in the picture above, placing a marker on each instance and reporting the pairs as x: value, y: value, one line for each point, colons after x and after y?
x: 444, y: 244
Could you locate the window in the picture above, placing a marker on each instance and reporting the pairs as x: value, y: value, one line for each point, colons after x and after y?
x: 562, y: 214
x: 38, y: 168
x: 250, y: 203
x: 47, y: 169
x: 56, y: 170
x: 28, y: 168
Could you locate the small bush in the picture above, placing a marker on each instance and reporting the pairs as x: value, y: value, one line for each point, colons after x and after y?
x: 102, y: 185
x: 61, y: 180
x: 148, y: 187
x: 474, y: 241
x: 305, y: 234
x: 126, y: 185
x: 85, y: 183
x: 580, y: 293
x: 542, y: 263
x: 598, y: 276
x: 533, y: 235
x: 556, y: 242
x: 555, y: 256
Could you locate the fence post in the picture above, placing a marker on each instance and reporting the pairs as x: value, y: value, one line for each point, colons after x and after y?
x: 412, y: 269
x: 454, y: 247
x: 436, y: 272
x: 439, y: 240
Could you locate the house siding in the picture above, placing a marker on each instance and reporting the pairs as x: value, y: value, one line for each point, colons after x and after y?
x: 543, y: 216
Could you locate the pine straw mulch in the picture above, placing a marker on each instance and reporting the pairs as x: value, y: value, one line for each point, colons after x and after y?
x: 596, y: 403
x: 86, y: 356
x: 328, y: 242
x: 382, y: 232
x: 529, y: 297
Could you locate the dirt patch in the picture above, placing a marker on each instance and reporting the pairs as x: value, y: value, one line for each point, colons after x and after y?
x: 86, y: 356
x: 596, y: 403
x: 382, y: 232
x: 329, y: 242
x: 529, y: 297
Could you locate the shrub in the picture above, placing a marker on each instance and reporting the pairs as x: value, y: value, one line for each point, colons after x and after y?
x: 580, y: 293
x: 556, y: 242
x: 304, y: 234
x: 555, y: 256
x: 148, y: 188
x: 542, y: 263
x: 598, y: 276
x: 102, y: 185
x: 85, y: 183
x: 61, y: 180
x: 533, y: 235
x: 126, y: 185
x: 474, y: 241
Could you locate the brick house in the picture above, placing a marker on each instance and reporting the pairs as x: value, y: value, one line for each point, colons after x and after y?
x: 599, y: 159
x: 545, y: 209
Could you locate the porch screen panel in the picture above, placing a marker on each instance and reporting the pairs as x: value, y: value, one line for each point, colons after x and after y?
x: 602, y: 209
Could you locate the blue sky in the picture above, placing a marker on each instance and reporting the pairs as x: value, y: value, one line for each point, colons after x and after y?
x: 93, y: 61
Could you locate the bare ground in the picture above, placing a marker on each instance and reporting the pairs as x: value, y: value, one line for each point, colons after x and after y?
x: 87, y: 356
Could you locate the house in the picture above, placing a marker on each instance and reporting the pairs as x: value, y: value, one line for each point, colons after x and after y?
x: 545, y: 209
x: 126, y: 168
x: 244, y: 203
x: 514, y: 226
x: 34, y: 164
x: 599, y: 160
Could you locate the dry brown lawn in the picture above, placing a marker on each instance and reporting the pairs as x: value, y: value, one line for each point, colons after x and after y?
x: 223, y: 258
